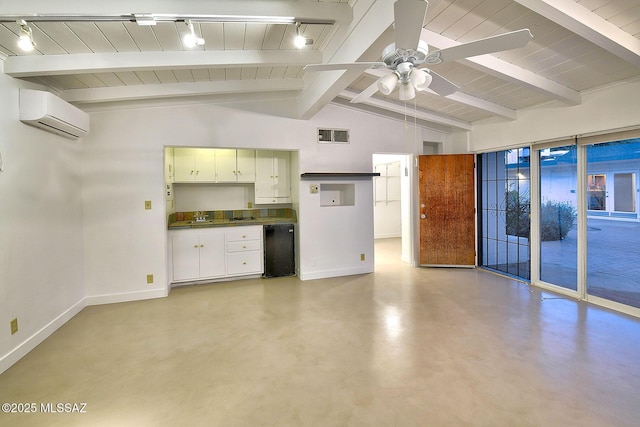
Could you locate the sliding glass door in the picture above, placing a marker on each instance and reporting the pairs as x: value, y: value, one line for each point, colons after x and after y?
x: 613, y: 230
x: 558, y: 216
x: 586, y: 218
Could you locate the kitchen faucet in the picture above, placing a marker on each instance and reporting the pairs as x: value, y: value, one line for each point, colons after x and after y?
x: 199, y: 216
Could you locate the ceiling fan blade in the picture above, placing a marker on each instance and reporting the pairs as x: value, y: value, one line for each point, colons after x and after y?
x: 366, y: 94
x: 344, y: 66
x: 507, y: 41
x: 409, y: 18
x: 442, y: 86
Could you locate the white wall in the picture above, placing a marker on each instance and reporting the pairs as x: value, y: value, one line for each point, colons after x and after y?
x: 123, y: 167
x: 41, y: 269
x: 601, y: 110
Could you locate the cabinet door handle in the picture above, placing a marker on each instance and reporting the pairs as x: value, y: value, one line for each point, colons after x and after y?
x: 244, y: 263
x: 192, y: 171
x: 195, y: 246
x: 244, y: 247
x: 202, y: 246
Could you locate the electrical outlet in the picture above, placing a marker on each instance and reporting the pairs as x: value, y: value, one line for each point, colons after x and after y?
x: 147, y: 204
x: 149, y: 278
x: 14, y: 325
x: 361, y: 257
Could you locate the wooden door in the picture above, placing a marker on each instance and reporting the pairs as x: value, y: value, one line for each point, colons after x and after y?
x: 447, y: 210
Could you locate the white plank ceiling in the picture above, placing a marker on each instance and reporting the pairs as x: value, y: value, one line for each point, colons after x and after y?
x: 578, y: 46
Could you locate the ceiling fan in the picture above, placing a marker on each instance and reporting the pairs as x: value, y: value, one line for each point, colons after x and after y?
x: 403, y: 57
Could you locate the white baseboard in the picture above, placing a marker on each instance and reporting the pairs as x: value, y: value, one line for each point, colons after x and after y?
x: 387, y: 236
x: 30, y: 343
x: 126, y: 297
x: 325, y: 274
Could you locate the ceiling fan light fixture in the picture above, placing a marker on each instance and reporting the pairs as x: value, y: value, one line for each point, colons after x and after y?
x: 417, y: 77
x: 388, y: 83
x: 407, y: 92
x: 424, y: 83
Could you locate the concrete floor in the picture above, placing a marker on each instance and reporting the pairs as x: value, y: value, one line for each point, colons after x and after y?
x: 401, y: 347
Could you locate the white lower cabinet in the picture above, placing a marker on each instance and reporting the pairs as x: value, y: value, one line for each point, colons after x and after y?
x: 218, y: 252
x: 244, y: 250
x: 197, y: 254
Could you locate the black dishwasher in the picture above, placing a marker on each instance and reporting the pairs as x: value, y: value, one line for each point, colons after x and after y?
x: 279, y: 252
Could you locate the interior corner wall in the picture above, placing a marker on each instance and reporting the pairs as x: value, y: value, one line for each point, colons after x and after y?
x: 41, y: 250
x: 603, y: 110
x: 458, y: 143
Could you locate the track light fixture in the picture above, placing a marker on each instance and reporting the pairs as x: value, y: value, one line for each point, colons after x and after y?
x: 191, y: 39
x: 25, y: 41
x: 301, y: 41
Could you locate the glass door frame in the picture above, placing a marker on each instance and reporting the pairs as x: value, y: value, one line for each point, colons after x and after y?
x: 581, y: 293
x: 581, y: 227
x: 581, y: 179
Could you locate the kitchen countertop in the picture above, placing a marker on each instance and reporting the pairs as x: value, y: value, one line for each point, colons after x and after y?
x: 179, y: 225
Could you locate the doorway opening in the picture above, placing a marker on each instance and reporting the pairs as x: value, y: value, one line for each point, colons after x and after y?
x: 392, y: 206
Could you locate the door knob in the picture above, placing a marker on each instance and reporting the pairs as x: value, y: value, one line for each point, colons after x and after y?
x: 422, y: 216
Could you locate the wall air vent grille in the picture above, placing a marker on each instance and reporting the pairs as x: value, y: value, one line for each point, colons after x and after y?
x: 333, y: 136
x: 324, y: 135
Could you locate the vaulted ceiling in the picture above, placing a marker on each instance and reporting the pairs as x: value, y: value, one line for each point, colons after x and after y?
x: 92, y: 55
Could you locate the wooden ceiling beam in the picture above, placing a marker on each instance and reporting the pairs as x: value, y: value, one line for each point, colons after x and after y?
x: 489, y: 64
x: 586, y: 24
x: 55, y: 65
x: 402, y: 109
x: 174, y: 90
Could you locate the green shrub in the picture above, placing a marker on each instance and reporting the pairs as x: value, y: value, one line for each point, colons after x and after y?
x: 518, y: 214
x: 556, y: 218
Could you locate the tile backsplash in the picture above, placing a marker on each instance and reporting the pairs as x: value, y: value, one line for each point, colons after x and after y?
x: 231, y: 214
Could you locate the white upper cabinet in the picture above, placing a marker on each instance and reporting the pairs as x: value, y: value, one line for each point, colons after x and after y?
x: 235, y: 165
x: 194, y: 164
x: 226, y: 165
x: 246, y: 165
x: 272, y: 177
x: 214, y: 165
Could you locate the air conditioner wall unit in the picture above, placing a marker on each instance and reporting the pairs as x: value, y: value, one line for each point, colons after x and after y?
x: 45, y: 110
